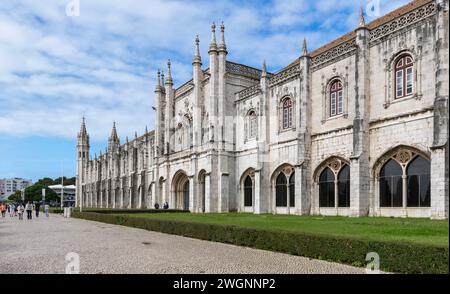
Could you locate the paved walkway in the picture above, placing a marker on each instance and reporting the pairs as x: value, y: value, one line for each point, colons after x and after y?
x: 41, y: 245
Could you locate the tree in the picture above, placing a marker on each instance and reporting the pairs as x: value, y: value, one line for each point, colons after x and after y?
x: 34, y: 193
x: 66, y: 181
x: 46, y: 181
x: 16, y: 197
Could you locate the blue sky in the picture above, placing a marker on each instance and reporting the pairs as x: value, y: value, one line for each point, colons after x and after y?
x: 55, y: 68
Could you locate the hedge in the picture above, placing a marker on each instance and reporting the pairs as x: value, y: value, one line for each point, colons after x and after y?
x: 394, y: 257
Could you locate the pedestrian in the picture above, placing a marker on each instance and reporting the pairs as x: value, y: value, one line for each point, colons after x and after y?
x: 37, y: 207
x: 3, y: 209
x: 166, y: 205
x: 15, y: 209
x: 156, y: 205
x: 46, y: 209
x: 12, y: 208
x: 20, y: 210
x: 29, y: 209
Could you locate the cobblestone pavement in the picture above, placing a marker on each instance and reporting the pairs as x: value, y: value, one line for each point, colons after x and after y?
x: 41, y: 245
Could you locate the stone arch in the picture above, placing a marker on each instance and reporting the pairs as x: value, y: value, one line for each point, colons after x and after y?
x: 281, y: 184
x: 335, y: 163
x: 180, y: 190
x: 247, y: 189
x: 403, y: 154
x: 393, y: 185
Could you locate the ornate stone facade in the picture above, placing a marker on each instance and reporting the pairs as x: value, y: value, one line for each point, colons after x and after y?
x: 356, y: 127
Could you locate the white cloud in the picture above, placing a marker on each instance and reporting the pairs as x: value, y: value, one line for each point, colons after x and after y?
x: 55, y: 68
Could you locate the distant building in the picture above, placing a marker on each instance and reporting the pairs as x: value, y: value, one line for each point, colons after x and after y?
x: 10, y: 186
x: 69, y: 194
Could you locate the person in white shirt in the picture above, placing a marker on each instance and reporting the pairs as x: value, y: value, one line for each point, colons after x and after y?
x: 12, y: 207
x: 46, y: 209
x: 29, y: 209
x: 20, y: 210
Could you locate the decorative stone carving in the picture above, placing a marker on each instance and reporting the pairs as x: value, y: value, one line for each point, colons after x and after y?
x: 405, y: 20
x: 288, y: 74
x: 335, y: 165
x: 403, y: 156
x: 250, y: 92
x: 243, y: 70
x: 341, y: 51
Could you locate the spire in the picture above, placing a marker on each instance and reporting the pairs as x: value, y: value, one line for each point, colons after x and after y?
x: 162, y: 78
x: 222, y: 46
x: 146, y: 130
x: 126, y: 140
x: 83, y: 127
x: 362, y: 22
x: 304, y: 48
x: 213, y: 45
x: 158, y: 83
x: 264, y: 70
x: 197, y: 58
x: 135, y: 135
x: 114, y: 131
x: 169, y: 74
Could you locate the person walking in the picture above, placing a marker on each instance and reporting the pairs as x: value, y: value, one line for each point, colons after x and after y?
x: 46, y: 209
x: 37, y: 207
x: 12, y: 208
x: 20, y: 210
x: 3, y: 209
x: 29, y: 209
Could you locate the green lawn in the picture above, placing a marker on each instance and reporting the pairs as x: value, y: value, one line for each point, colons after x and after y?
x: 408, y: 230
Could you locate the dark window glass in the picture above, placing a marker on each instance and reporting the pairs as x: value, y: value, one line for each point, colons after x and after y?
x: 418, y: 173
x: 292, y: 190
x: 326, y: 188
x: 186, y: 196
x: 248, y: 191
x: 391, y: 184
x: 344, y: 187
x: 281, y: 191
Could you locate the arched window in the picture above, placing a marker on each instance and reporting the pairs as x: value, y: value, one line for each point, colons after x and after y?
x: 344, y: 187
x: 326, y: 188
x: 287, y: 113
x: 391, y: 184
x: 336, y: 98
x: 403, y: 76
x: 248, y: 191
x: 418, y: 173
x: 252, y: 124
x: 281, y: 191
x: 292, y: 190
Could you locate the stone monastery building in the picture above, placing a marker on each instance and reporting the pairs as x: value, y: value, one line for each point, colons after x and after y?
x: 356, y: 127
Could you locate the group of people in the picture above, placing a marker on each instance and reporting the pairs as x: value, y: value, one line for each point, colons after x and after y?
x: 18, y: 209
x: 165, y: 205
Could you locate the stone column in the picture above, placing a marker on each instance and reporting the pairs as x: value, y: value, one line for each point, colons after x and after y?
x: 359, y: 166
x: 258, y: 199
x: 192, y: 196
x: 439, y: 150
x: 303, y: 179
x: 207, y: 193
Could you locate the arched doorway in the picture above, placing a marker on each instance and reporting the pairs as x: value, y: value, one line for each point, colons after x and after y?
x: 283, y: 189
x: 180, y: 191
x: 247, y: 190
